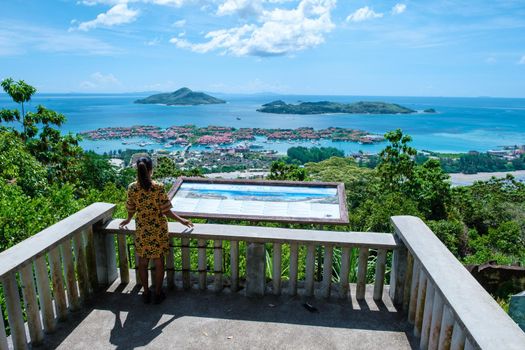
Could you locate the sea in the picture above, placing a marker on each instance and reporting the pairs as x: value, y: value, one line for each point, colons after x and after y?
x: 460, y: 124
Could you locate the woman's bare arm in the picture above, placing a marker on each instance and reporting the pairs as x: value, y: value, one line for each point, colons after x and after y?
x: 183, y: 221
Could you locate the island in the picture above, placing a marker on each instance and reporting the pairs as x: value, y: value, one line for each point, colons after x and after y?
x: 224, y: 135
x: 325, y: 107
x: 430, y: 110
x: 181, y: 97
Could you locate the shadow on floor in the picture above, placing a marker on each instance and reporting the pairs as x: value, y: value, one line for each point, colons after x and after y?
x: 135, y: 324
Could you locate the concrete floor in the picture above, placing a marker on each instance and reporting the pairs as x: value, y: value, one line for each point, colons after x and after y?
x: 206, y: 320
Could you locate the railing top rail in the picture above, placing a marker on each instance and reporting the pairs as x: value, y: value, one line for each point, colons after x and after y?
x: 43, y: 241
x: 488, y: 325
x: 270, y: 235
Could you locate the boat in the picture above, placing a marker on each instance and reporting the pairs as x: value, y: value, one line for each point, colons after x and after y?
x: 238, y: 118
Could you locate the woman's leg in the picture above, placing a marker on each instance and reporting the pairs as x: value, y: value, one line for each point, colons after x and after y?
x: 159, y: 274
x: 143, y: 273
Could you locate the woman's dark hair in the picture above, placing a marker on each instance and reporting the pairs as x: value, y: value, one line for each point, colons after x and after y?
x: 144, y: 166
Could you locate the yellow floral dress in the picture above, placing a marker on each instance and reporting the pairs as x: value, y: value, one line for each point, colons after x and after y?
x: 151, y: 239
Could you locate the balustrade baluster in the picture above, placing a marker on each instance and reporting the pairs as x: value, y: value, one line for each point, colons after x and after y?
x: 310, y: 270
x: 327, y: 270
x: 294, y: 259
x: 202, y: 263
x: 57, y: 278
x: 276, y: 266
x: 234, y: 265
x: 458, y: 338
x: 344, y: 273
x: 44, y: 294
x: 445, y: 332
x: 217, y: 265
x: 380, y: 274
x: 69, y: 272
x: 420, y: 306
x: 34, y: 324
x: 14, y: 311
x: 361, y: 274
x: 123, y: 258
x: 170, y: 266
x: 186, y: 263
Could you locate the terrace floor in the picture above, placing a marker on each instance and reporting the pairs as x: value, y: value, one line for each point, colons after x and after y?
x: 118, y: 319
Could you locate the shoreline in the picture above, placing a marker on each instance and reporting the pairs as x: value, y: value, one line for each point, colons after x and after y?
x: 460, y: 179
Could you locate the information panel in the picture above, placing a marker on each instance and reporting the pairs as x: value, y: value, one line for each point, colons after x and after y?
x: 259, y: 200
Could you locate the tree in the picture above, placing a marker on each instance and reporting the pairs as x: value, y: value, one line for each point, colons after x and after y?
x: 396, y: 165
x: 59, y: 153
x: 282, y: 171
x: 430, y: 188
x: 19, y: 167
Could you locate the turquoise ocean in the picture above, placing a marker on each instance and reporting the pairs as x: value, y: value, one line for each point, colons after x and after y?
x: 460, y: 124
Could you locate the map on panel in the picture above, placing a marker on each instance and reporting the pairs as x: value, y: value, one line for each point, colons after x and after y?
x: 267, y: 201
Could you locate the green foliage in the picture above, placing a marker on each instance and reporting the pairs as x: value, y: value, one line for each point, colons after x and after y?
x: 58, y: 153
x: 396, y: 166
x: 302, y: 155
x: 19, y: 167
x: 430, y: 188
x: 96, y: 172
x: 21, y: 216
x: 360, y: 183
x: 474, y: 162
x: 282, y: 171
x: 450, y: 232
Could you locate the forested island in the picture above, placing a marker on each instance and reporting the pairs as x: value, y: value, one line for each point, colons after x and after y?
x: 324, y: 107
x: 181, y: 97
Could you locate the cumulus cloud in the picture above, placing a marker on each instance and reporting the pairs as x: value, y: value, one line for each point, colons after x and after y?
x: 398, y: 9
x: 100, y: 81
x: 278, y: 32
x: 522, y: 60
x: 118, y: 14
x: 179, y: 24
x: 363, y: 14
x: 243, y: 8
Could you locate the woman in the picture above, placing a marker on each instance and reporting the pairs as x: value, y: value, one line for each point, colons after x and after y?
x: 149, y: 201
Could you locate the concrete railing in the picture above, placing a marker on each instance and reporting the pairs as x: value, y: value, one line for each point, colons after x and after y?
x: 209, y: 239
x: 447, y: 306
x: 67, y: 263
x: 54, y: 272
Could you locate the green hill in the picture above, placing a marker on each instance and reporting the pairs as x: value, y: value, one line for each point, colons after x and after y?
x: 183, y: 97
x: 323, y: 107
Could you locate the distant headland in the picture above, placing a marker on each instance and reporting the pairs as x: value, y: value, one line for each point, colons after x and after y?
x: 181, y: 97
x: 324, y: 107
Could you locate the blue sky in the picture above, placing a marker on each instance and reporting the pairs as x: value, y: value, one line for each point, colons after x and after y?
x: 344, y: 47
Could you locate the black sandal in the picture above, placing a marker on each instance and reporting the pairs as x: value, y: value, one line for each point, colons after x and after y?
x: 159, y: 298
x: 146, y: 298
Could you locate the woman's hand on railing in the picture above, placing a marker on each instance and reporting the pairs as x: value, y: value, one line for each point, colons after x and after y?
x: 123, y: 224
x: 186, y: 222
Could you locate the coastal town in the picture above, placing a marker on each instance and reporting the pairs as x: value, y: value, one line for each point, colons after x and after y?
x: 222, y: 135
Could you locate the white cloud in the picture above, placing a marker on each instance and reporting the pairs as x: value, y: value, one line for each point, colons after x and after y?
x: 179, y: 24
x: 19, y: 38
x: 279, y: 32
x: 522, y: 60
x: 153, y: 42
x: 118, y: 14
x: 363, y: 14
x: 243, y: 8
x: 176, y: 3
x: 398, y: 9
x: 100, y: 81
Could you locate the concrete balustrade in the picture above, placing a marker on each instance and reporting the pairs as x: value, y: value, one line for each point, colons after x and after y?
x: 449, y: 308
x: 58, y: 270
